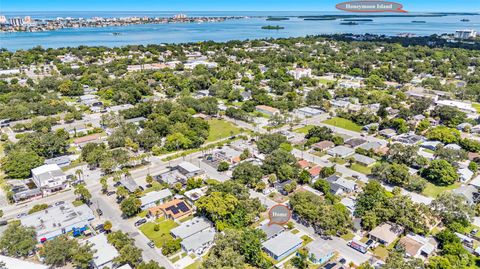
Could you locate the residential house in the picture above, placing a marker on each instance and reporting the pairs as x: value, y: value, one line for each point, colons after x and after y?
x: 195, y: 194
x: 315, y: 172
x: 418, y: 246
x: 299, y: 73
x: 355, y: 142
x: 176, y: 210
x: 320, y: 252
x: 282, y: 245
x: 465, y: 174
x: 323, y: 145
x: 190, y: 227
x: 189, y: 170
x: 388, y: 133
x: 129, y: 184
x: 386, y: 233
x: 93, y: 138
x: 272, y: 230
x: 341, y: 151
x: 104, y: 252
x: 339, y: 185
x: 14, y: 263
x: 363, y: 160
x: 469, y: 192
x: 155, y: 197
x: 49, y: 178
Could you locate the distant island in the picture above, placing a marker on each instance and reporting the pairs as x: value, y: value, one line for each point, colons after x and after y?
x: 278, y: 19
x: 272, y: 27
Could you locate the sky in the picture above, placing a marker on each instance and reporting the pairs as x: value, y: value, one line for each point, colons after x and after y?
x: 221, y: 5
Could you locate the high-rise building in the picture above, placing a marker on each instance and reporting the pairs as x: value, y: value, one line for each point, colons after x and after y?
x: 3, y: 19
x: 16, y: 21
x: 465, y: 34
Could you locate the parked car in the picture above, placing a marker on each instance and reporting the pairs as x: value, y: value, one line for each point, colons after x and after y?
x: 3, y: 222
x: 59, y: 203
x: 151, y: 244
x: 99, y: 211
x: 140, y: 222
x: 99, y: 228
x: 21, y: 215
x: 110, y: 193
x: 117, y: 184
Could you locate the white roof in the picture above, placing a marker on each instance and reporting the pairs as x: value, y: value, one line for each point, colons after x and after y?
x: 13, y: 263
x: 199, y: 239
x: 320, y: 249
x: 282, y: 243
x: 45, y: 169
x: 105, y: 252
x: 188, y: 228
x: 154, y: 196
x: 125, y: 266
x: 189, y: 167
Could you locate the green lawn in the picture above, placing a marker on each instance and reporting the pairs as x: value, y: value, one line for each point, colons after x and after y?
x: 337, y: 160
x: 160, y: 236
x: 304, y: 129
x: 347, y: 237
x: 194, y: 265
x: 476, y: 106
x: 220, y: 129
x: 343, y: 123
x: 361, y: 169
x: 306, y: 239
x: 295, y: 231
x: 433, y: 191
x: 381, y: 252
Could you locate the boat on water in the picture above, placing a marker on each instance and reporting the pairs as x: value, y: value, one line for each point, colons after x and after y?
x: 419, y: 22
x: 465, y: 20
x: 349, y: 23
x: 116, y: 33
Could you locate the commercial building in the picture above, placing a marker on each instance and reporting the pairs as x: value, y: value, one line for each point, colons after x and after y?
x: 267, y: 110
x: 49, y: 178
x: 58, y: 220
x: 282, y: 245
x: 465, y: 34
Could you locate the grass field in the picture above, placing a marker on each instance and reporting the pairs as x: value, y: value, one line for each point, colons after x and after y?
x: 361, y: 169
x: 344, y: 124
x: 160, y: 236
x: 476, y: 106
x: 433, y: 191
x: 381, y: 252
x: 220, y: 129
x: 194, y: 265
x: 304, y: 129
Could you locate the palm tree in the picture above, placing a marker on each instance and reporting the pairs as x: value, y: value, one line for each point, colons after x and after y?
x: 103, y: 181
x: 79, y: 174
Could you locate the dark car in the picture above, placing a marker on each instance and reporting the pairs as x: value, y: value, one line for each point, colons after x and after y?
x: 110, y: 193
x: 99, y: 211
x: 59, y: 203
x: 151, y: 244
x: 117, y: 184
x: 342, y: 261
x: 140, y: 222
x: 21, y: 215
x: 99, y: 228
x: 3, y: 222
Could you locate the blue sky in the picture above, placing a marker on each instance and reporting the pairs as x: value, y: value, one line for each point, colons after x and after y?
x: 219, y: 5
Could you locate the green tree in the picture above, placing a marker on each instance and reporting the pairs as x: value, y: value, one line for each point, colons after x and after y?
x: 247, y: 173
x: 18, y: 163
x: 223, y: 166
x: 18, y: 240
x: 440, y: 172
x: 129, y: 254
x: 130, y: 206
x: 83, y: 193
